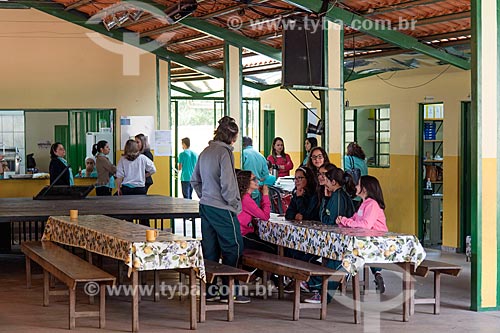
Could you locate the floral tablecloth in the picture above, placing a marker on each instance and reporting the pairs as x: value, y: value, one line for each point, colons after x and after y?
x: 126, y: 241
x: 354, y: 247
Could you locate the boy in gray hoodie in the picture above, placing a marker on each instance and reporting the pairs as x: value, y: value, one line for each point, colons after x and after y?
x: 215, y: 183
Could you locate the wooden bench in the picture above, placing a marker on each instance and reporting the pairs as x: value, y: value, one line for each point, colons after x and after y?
x: 298, y: 271
x: 70, y: 270
x: 212, y: 271
x: 423, y: 270
x: 437, y: 268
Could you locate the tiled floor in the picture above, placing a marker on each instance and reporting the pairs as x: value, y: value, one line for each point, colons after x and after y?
x: 21, y: 309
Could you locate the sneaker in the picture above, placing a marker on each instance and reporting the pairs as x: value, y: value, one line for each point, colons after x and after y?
x: 290, y: 288
x: 212, y: 298
x: 240, y: 299
x: 379, y: 282
x: 304, y: 287
x: 315, y: 299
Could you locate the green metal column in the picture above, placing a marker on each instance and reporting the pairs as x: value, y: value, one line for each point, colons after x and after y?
x: 484, y: 201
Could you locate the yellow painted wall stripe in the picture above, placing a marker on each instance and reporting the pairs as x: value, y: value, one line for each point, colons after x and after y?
x: 489, y: 233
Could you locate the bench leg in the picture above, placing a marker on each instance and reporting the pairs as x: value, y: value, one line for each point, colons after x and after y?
x: 437, y: 292
x: 296, y: 300
x: 102, y: 306
x: 324, y: 298
x: 356, y: 296
x: 46, y: 288
x: 72, y: 306
x: 264, y: 280
x: 28, y: 272
x: 230, y: 300
x: 203, y: 301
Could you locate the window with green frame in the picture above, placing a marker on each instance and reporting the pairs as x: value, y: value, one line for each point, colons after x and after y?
x: 370, y: 127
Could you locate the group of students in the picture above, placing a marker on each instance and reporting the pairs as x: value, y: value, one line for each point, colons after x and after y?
x: 323, y: 192
x: 131, y: 176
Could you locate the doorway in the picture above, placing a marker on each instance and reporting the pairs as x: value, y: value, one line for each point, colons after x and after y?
x: 468, y: 163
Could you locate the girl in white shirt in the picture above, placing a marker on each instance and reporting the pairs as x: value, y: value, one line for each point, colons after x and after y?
x: 132, y: 170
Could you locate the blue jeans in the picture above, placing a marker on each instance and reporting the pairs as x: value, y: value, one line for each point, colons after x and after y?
x: 187, y: 190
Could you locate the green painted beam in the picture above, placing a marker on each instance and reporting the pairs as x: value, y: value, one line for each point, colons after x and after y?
x: 12, y: 5
x: 232, y: 37
x: 376, y: 29
x: 80, y: 19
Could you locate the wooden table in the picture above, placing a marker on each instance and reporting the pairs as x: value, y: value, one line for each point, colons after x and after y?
x: 125, y: 207
x: 125, y: 241
x: 353, y: 247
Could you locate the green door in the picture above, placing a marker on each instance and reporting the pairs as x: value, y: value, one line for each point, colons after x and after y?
x: 80, y: 122
x: 268, y: 131
x: 61, y: 134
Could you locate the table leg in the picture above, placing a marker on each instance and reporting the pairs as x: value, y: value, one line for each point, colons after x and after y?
x: 89, y: 259
x: 356, y: 295
x: 157, y: 285
x: 281, y: 287
x: 192, y: 299
x: 407, y: 294
x: 135, y: 301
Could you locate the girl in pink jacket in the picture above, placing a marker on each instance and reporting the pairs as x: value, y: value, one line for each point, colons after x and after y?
x: 370, y: 215
x: 247, y: 183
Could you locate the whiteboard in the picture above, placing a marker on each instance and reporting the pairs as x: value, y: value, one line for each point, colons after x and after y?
x: 130, y: 126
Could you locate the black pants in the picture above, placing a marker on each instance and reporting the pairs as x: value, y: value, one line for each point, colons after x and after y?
x: 133, y: 190
x: 102, y: 191
x: 136, y: 191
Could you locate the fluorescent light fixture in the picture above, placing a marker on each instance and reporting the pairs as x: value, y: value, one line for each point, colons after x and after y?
x: 180, y: 10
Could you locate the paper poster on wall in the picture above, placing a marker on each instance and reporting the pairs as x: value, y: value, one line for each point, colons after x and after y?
x: 133, y: 125
x: 163, y: 143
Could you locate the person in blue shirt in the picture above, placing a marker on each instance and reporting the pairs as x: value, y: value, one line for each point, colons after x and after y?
x: 355, y: 158
x: 187, y: 162
x: 253, y: 160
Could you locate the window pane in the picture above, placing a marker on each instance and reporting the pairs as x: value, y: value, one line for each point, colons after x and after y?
x: 349, y: 115
x: 385, y: 125
x: 349, y: 126
x: 384, y: 160
x: 385, y: 113
x: 349, y: 137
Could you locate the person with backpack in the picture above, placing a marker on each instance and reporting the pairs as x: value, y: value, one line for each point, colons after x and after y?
x: 370, y: 215
x: 338, y: 190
